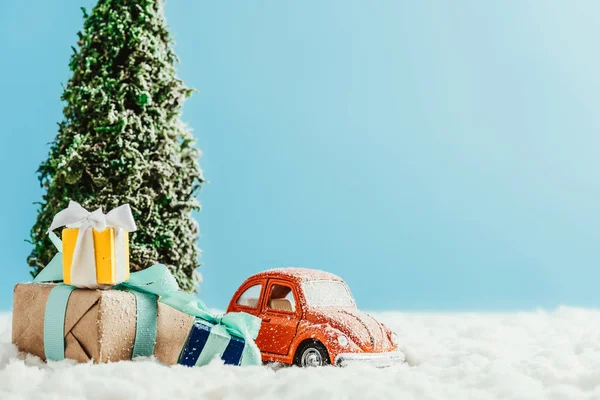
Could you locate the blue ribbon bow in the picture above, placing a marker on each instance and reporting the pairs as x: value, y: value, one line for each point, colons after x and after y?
x: 157, y: 280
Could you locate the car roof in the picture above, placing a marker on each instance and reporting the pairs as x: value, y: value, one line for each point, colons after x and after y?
x: 297, y: 274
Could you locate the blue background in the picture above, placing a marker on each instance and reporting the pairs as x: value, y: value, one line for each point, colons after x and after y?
x: 436, y: 155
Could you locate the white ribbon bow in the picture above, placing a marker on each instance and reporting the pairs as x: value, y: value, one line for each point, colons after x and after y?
x: 83, y: 266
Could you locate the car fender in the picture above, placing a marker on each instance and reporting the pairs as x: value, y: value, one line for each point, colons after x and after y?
x: 325, y: 334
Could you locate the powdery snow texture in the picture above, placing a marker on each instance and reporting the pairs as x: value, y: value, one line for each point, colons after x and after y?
x: 529, y: 355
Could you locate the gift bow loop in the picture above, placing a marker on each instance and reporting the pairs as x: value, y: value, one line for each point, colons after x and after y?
x: 121, y: 217
x: 241, y: 324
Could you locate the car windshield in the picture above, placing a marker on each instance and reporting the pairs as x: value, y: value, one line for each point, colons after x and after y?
x: 325, y: 293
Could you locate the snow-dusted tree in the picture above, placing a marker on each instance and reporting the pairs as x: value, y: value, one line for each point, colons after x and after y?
x: 122, y: 140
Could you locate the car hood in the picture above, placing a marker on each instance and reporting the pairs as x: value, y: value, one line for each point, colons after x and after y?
x: 364, y: 330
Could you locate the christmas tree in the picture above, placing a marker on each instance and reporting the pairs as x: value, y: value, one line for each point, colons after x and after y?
x: 122, y: 139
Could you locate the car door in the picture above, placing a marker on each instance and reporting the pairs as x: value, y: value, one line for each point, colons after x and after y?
x: 280, y: 314
x: 248, y: 299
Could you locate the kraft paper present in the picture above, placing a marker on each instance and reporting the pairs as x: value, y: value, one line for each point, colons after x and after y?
x: 111, y: 254
x: 100, y: 325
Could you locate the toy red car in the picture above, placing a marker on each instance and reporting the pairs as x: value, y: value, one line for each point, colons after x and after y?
x: 309, y: 318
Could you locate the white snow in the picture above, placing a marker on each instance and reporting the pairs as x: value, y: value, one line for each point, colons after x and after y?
x: 528, y: 355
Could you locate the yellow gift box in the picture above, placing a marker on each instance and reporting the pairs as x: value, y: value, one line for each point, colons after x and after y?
x: 109, y: 264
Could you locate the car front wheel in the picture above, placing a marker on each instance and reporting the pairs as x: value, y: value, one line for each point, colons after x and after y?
x: 311, y: 354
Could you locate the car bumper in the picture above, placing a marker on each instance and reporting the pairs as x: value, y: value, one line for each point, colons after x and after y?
x: 375, y: 359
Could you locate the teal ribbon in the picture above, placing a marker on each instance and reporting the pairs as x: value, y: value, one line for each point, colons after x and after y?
x: 157, y: 280
x: 52, y: 272
x: 54, y: 322
x: 145, y: 328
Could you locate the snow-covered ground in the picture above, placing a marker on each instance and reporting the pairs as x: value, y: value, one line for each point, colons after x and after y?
x: 528, y: 355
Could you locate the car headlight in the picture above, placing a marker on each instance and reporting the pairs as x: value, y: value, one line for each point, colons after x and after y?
x: 342, y: 340
x: 394, y: 338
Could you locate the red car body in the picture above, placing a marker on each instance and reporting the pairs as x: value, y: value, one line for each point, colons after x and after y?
x: 310, y: 318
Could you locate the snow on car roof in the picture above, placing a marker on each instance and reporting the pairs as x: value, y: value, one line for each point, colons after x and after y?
x: 299, y: 274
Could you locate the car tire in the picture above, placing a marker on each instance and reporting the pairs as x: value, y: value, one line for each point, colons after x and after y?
x: 311, y: 354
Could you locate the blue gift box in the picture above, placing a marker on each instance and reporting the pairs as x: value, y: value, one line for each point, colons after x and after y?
x: 204, y: 344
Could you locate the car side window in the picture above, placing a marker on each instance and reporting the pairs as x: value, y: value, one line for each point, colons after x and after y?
x: 281, y: 298
x: 250, y: 297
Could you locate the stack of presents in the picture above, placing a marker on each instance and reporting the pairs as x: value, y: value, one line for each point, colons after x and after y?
x: 85, y: 305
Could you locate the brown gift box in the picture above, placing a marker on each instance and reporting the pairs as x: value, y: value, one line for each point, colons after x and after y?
x: 99, y: 324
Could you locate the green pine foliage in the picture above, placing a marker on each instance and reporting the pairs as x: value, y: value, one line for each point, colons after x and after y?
x: 122, y: 139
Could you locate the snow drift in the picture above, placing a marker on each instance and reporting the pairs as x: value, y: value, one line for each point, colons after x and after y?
x: 528, y: 355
